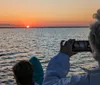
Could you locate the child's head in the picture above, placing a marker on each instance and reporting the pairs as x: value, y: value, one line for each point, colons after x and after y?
x: 23, y: 72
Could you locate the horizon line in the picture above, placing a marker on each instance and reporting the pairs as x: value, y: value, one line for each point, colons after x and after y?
x: 47, y: 27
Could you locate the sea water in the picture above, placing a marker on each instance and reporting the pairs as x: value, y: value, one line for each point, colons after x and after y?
x: 44, y: 43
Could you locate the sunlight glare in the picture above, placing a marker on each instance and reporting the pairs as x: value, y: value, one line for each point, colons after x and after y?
x: 27, y: 26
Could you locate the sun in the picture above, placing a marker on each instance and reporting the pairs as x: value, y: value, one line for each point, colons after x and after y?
x: 27, y: 26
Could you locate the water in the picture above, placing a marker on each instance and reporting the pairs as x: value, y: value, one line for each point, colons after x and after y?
x: 19, y: 44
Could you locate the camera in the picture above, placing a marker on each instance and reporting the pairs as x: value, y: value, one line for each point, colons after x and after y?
x: 81, y: 46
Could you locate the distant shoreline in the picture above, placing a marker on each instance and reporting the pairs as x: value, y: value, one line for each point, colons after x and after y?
x: 52, y: 27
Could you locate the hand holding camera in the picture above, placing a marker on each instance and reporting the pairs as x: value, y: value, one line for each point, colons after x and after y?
x: 72, y: 46
x: 66, y: 47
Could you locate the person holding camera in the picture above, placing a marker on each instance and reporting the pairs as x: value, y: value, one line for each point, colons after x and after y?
x: 59, y: 65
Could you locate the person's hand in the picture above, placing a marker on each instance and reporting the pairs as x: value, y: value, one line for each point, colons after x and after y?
x: 66, y: 47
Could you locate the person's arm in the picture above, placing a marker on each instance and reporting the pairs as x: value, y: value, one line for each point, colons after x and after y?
x: 58, y: 68
x: 38, y: 75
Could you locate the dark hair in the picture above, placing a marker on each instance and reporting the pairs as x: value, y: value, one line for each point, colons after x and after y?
x: 23, y: 72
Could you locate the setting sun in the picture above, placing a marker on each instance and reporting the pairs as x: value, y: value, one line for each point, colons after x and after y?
x: 27, y: 26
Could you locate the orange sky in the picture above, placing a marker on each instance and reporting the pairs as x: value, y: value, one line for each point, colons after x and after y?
x: 48, y: 12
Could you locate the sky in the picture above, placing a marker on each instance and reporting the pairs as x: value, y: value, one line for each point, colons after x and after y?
x: 48, y: 12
